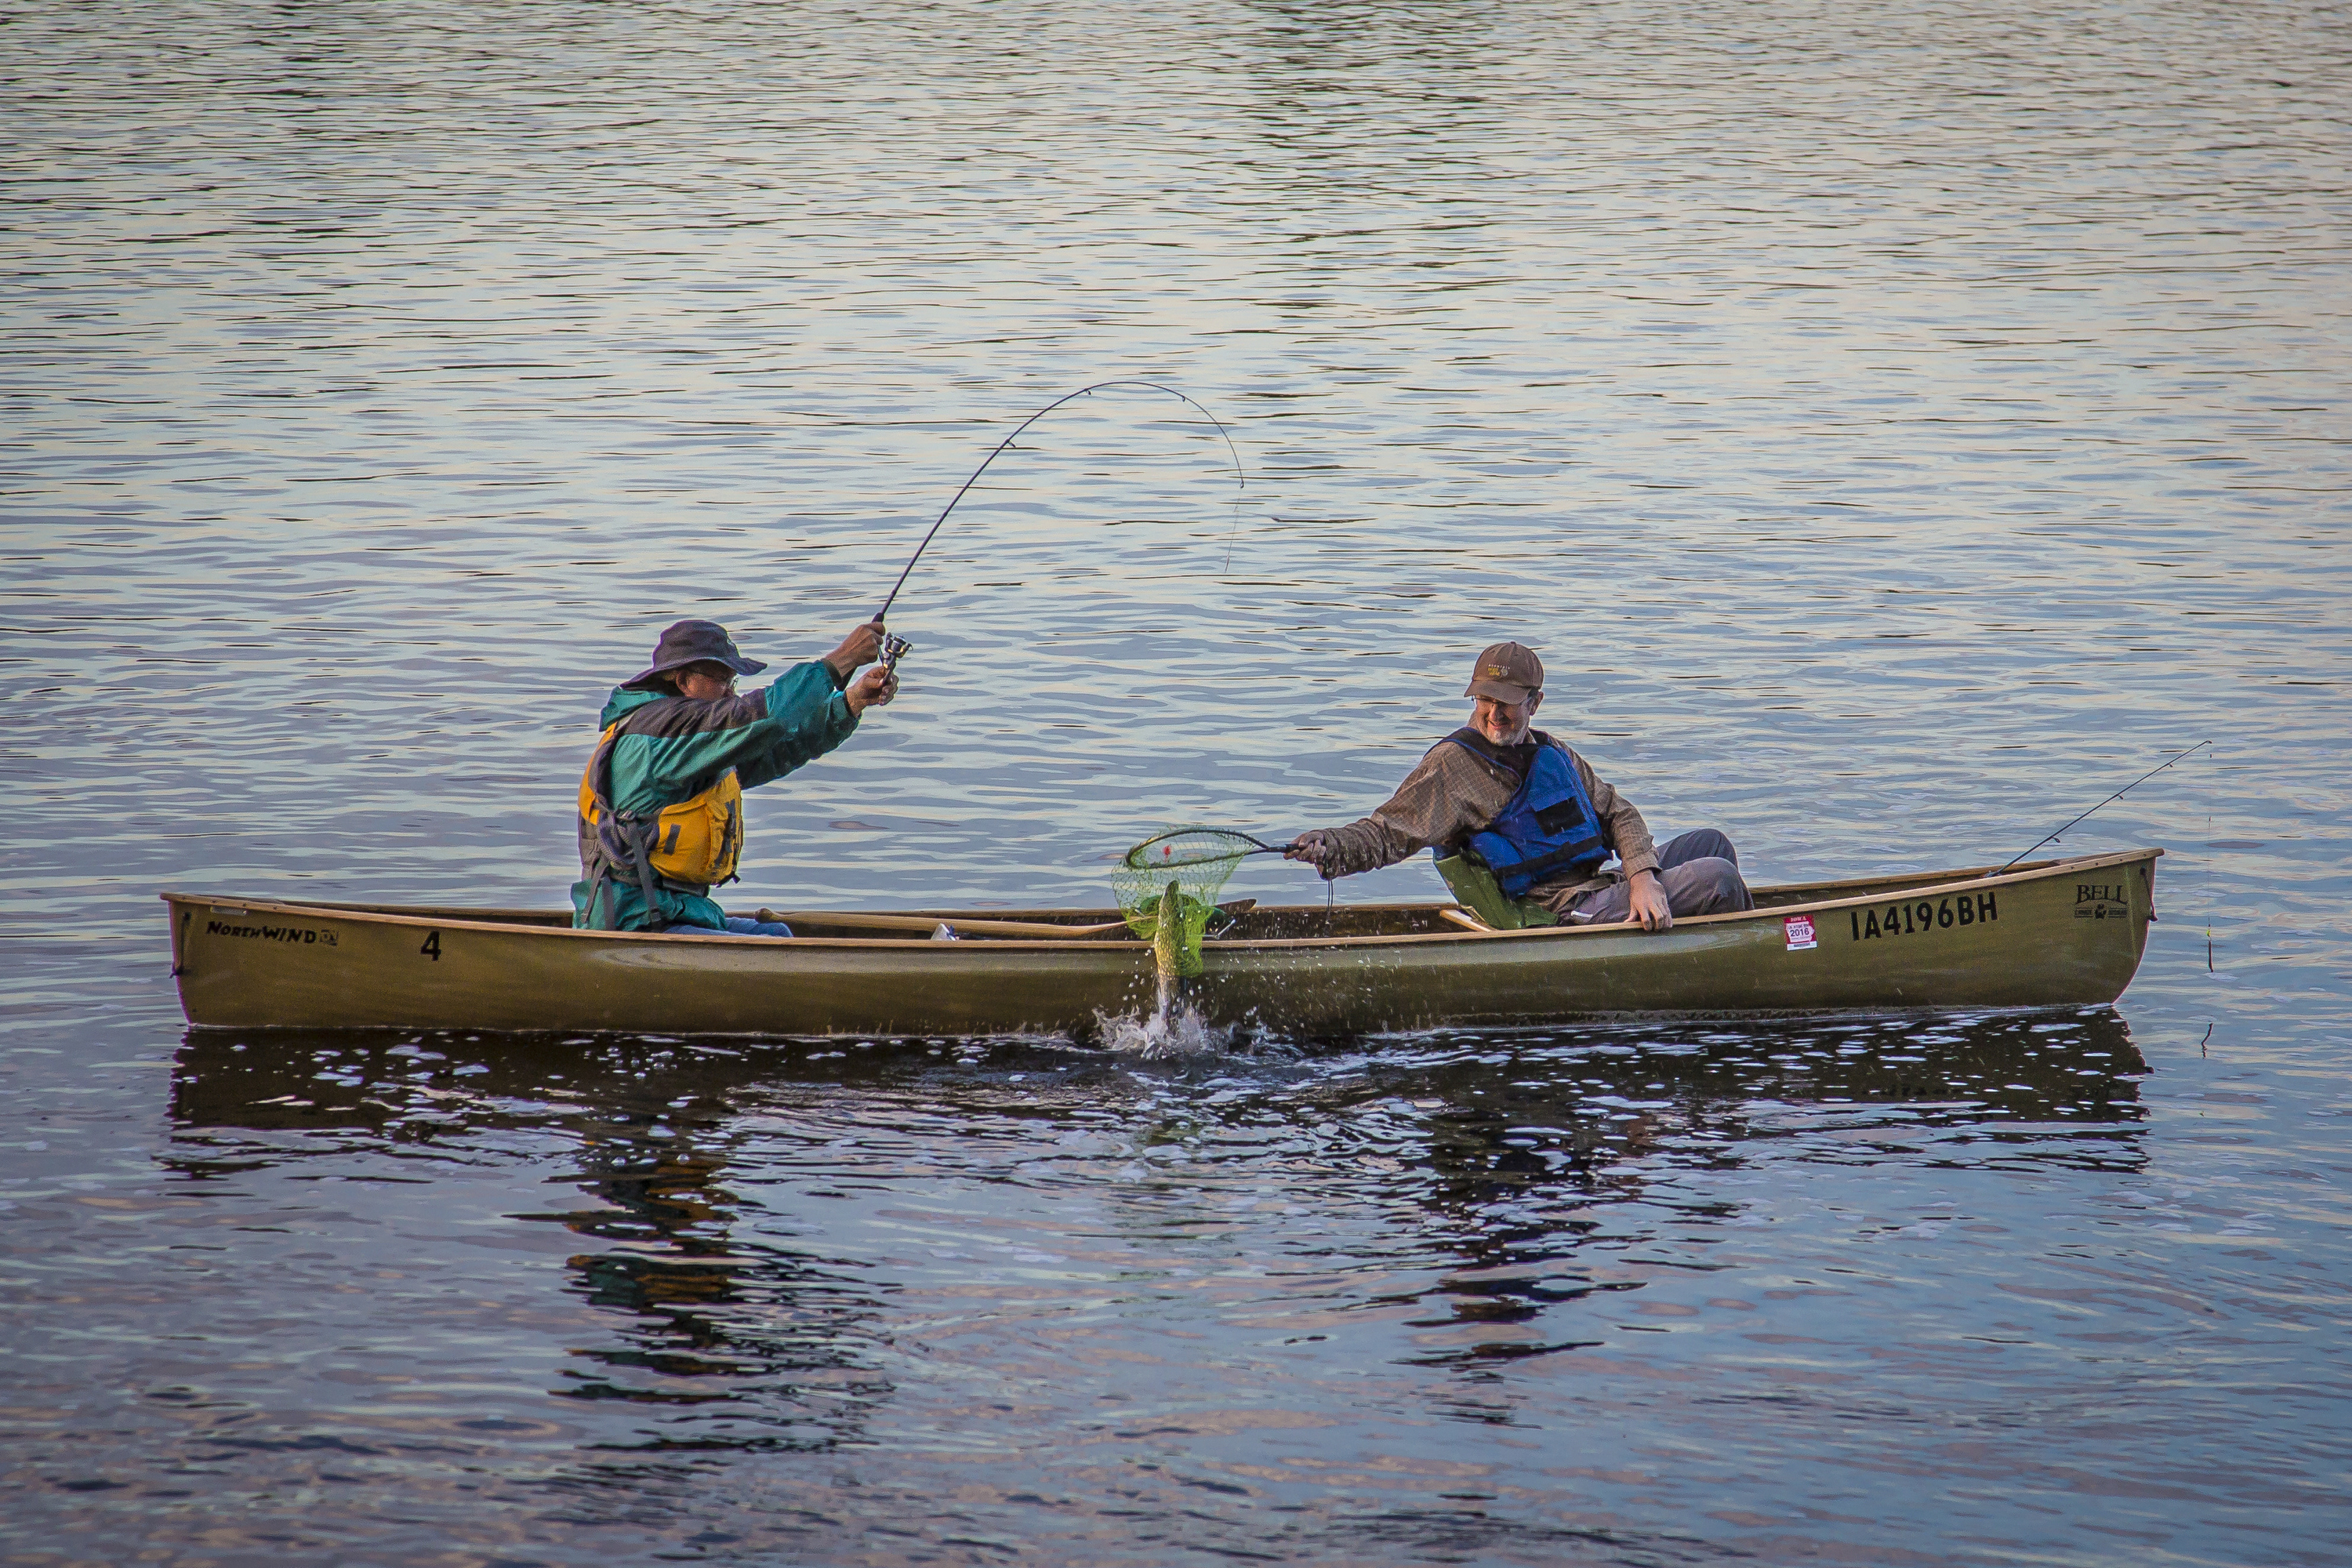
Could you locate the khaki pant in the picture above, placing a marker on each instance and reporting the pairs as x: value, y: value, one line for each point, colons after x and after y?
x: 1700, y: 871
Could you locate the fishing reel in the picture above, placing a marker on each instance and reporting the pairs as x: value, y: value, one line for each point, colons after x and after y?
x: 893, y: 647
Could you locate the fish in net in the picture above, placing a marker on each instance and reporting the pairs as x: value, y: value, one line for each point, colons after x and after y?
x: 1167, y: 887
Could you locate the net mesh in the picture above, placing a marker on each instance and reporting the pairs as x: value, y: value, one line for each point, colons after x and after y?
x: 1197, y: 861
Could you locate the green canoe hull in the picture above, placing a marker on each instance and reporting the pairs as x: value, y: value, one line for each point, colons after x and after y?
x: 2051, y: 933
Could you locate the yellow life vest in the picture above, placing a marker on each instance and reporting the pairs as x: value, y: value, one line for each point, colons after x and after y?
x: 695, y: 842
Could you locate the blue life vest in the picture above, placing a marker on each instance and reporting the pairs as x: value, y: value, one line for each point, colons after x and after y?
x: 1548, y: 829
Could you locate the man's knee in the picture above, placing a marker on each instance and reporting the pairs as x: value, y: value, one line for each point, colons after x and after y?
x: 1711, y: 886
x: 1698, y: 843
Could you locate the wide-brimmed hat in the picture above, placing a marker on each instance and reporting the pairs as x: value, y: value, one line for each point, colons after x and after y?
x: 1507, y: 672
x: 695, y: 642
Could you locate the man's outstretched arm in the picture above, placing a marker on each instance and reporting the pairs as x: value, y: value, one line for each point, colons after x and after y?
x: 1451, y: 794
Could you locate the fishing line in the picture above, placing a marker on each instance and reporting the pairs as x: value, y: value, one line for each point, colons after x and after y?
x: 1240, y: 479
x: 2109, y: 801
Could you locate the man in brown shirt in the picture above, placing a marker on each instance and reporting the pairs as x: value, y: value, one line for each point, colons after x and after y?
x: 1483, y: 781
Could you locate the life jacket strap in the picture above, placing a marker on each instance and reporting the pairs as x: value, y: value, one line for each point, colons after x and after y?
x: 1471, y: 740
x: 625, y: 846
x: 615, y: 845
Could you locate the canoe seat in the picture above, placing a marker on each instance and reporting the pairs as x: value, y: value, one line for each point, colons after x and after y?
x: 1476, y: 887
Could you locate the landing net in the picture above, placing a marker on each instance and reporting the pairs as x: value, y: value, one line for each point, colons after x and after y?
x: 1196, y: 861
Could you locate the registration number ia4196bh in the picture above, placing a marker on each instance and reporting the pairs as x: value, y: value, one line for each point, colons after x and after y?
x: 1918, y: 917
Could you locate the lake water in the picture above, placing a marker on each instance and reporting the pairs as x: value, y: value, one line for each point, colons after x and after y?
x: 1897, y: 427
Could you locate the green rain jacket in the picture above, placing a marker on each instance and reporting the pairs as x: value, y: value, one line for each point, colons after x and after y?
x: 671, y: 748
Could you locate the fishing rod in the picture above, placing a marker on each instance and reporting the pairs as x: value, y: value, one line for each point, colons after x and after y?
x: 893, y: 647
x: 2109, y: 801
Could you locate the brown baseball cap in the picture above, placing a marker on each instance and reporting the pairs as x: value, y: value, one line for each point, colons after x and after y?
x: 1507, y: 672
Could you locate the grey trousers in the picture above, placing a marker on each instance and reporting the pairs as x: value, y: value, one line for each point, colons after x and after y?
x: 1700, y: 872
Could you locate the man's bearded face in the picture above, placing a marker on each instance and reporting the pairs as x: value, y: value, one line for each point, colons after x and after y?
x: 1505, y: 724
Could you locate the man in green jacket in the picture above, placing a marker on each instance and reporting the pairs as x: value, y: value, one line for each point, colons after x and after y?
x: 660, y: 814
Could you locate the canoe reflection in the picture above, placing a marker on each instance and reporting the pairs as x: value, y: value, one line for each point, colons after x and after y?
x: 1630, y: 1089
x: 714, y: 1320
x: 1507, y: 1165
x: 647, y: 1092
x: 1499, y: 1141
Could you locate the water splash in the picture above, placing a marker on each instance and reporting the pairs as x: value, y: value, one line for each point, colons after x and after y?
x: 1176, y: 1029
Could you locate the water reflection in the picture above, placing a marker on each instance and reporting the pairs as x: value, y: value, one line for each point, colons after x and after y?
x: 624, y: 1094
x: 1900, y: 428
x: 774, y: 1336
x: 770, y: 1222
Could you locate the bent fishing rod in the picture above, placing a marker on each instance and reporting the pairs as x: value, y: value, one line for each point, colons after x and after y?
x: 893, y: 647
x: 2109, y: 801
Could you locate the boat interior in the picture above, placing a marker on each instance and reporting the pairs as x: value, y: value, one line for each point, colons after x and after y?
x: 1239, y: 919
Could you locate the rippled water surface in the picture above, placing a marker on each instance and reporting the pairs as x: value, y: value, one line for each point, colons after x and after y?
x: 1898, y: 427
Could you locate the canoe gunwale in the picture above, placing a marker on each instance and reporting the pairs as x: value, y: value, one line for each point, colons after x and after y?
x: 1886, y: 889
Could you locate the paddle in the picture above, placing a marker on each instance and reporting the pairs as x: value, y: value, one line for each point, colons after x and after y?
x: 968, y: 925
x: 863, y: 921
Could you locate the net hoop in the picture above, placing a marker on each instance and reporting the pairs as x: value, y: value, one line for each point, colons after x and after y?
x: 1178, y: 848
x: 1196, y: 863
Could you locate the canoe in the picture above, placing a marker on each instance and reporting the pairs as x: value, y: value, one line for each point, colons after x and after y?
x: 2046, y: 934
